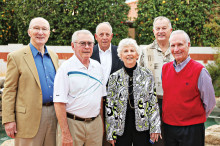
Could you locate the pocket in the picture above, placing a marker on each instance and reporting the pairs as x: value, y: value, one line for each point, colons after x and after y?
x: 20, y: 109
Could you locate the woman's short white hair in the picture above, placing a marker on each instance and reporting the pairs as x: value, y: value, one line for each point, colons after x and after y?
x: 128, y: 42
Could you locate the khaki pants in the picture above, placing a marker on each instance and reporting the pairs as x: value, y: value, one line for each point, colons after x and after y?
x: 83, y: 133
x: 46, y: 135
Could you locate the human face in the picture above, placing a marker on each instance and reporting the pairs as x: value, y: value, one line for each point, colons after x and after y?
x: 179, y: 47
x: 162, y: 30
x: 104, y: 36
x: 39, y: 32
x: 129, y: 56
x: 83, y: 53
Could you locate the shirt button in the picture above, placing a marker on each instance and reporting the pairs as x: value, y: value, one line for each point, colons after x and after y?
x: 51, y: 96
x: 47, y: 76
x: 49, y: 86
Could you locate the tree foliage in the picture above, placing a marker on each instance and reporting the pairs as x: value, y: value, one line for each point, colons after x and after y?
x: 191, y: 16
x: 67, y: 16
x: 214, y: 70
x: 8, y: 28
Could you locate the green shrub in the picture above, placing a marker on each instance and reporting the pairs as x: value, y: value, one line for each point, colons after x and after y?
x: 214, y: 70
x: 188, y: 15
x: 67, y: 16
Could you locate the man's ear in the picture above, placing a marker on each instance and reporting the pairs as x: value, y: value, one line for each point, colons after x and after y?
x: 29, y: 33
x: 95, y: 36
x: 189, y: 44
x: 72, y: 45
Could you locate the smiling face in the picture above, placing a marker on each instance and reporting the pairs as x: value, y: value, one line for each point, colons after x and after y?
x: 179, y: 47
x: 83, y: 52
x: 129, y: 56
x: 104, y: 36
x: 162, y: 30
x: 39, y: 32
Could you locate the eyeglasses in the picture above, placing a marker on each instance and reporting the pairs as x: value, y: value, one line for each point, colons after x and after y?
x: 83, y: 44
x: 37, y: 29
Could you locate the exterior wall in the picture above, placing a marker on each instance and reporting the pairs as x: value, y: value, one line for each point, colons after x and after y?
x: 203, y: 55
x: 132, y: 14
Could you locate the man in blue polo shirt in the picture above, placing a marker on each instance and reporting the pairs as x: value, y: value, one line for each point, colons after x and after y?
x: 28, y: 113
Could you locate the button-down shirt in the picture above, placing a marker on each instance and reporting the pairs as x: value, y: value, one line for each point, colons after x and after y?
x: 205, y: 86
x: 153, y: 58
x: 106, y: 62
x: 46, y: 73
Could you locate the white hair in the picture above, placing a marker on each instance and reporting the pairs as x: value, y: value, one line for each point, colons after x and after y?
x: 127, y: 42
x: 32, y: 21
x: 107, y: 23
x: 76, y: 33
x: 162, y: 18
x: 187, y: 39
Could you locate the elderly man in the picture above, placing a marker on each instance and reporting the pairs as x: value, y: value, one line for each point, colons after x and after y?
x: 106, y: 54
x: 155, y: 55
x: 28, y: 112
x: 188, y: 96
x: 78, y: 90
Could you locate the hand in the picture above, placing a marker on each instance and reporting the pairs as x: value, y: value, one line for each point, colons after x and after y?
x: 154, y: 136
x: 67, y: 139
x: 112, y: 142
x: 10, y: 129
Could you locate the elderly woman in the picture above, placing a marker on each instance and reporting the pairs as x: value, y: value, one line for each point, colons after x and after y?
x: 132, y: 113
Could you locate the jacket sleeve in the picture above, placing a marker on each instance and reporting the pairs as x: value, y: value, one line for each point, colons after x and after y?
x: 110, y: 110
x: 10, y: 91
x: 153, y: 114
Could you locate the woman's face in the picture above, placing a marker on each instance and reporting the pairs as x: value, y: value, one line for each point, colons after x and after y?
x: 129, y: 56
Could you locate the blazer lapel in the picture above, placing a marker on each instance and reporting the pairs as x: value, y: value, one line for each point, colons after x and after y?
x: 95, y: 54
x: 54, y: 59
x: 114, y: 60
x: 28, y: 57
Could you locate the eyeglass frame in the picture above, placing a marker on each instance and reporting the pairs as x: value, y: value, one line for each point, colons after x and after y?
x: 38, y: 29
x: 83, y: 44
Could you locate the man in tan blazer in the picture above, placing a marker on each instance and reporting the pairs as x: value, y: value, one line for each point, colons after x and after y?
x: 27, y: 104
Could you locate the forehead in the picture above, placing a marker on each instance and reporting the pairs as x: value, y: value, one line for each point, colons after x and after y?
x: 177, y: 38
x: 129, y: 47
x: 161, y: 23
x: 84, y: 37
x: 39, y: 22
x: 103, y: 28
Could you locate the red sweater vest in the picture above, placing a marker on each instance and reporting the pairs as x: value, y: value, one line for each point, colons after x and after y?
x: 182, y: 105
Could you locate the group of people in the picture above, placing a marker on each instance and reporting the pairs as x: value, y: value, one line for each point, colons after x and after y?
x: 104, y: 94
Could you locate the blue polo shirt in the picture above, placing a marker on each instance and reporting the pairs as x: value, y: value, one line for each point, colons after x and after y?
x: 46, y: 72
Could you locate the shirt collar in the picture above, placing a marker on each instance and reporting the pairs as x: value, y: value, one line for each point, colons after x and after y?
x: 182, y: 64
x: 109, y: 49
x: 168, y: 51
x: 79, y: 64
x: 35, y: 51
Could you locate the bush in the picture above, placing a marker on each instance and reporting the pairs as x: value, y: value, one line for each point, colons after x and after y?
x: 188, y: 15
x: 214, y: 70
x: 67, y: 16
x: 8, y: 28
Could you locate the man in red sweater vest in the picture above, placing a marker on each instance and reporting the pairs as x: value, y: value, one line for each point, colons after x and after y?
x: 188, y: 96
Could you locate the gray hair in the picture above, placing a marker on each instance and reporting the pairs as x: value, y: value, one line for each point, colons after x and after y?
x: 32, y: 21
x: 162, y: 18
x: 187, y: 39
x: 76, y: 33
x: 127, y: 42
x: 107, y: 23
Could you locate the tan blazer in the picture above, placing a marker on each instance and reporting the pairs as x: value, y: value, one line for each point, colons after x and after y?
x: 22, y: 95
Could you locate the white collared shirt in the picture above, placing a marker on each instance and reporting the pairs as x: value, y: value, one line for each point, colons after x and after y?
x: 80, y: 88
x: 106, y: 62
